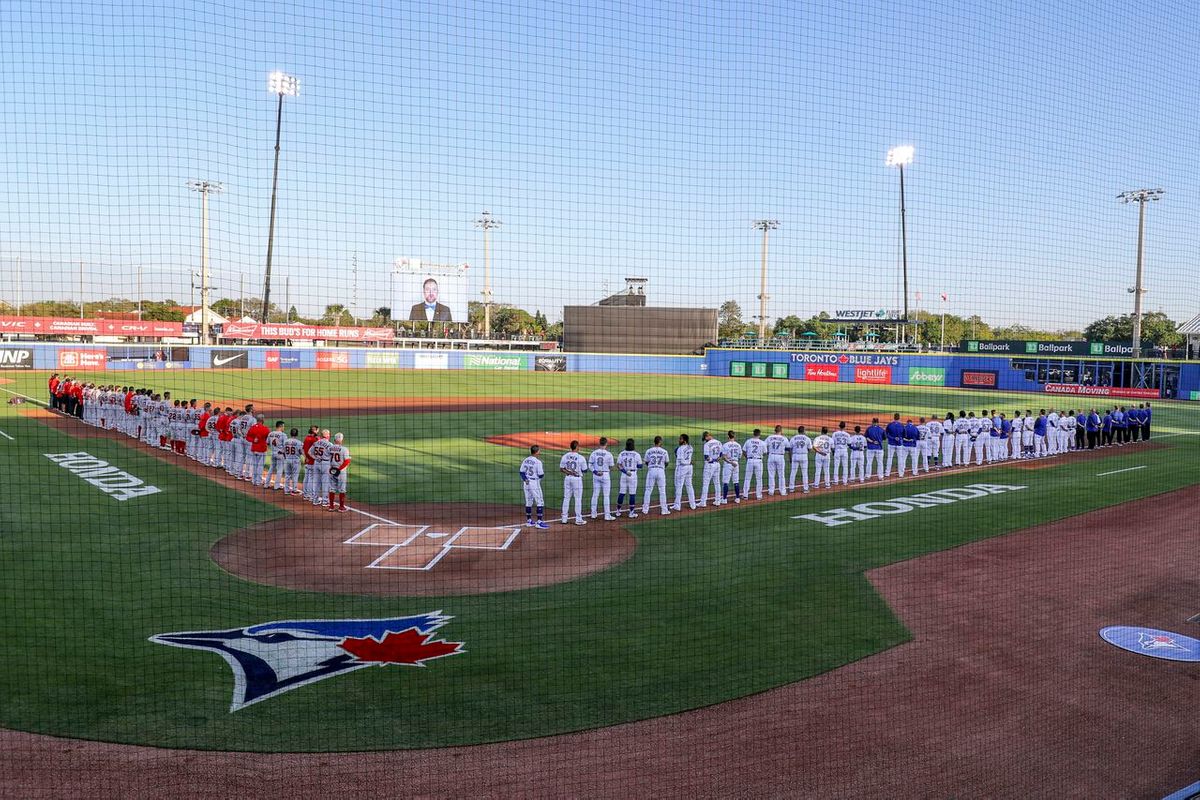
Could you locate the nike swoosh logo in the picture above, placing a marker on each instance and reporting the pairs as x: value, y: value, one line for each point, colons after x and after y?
x: 220, y: 362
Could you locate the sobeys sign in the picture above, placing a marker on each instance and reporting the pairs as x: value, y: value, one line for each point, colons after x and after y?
x: 926, y: 376
x: 495, y: 361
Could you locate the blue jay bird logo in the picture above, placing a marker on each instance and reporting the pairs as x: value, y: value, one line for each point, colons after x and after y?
x: 276, y: 657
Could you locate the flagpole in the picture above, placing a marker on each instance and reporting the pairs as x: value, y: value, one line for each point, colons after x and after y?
x: 945, y: 297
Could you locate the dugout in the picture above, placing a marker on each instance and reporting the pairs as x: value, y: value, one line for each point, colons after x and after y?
x: 638, y: 329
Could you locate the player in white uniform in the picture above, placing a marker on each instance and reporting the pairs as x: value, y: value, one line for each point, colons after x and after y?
x: 994, y: 440
x: 858, y: 454
x: 754, y: 449
x: 1027, y: 436
x: 275, y: 440
x: 946, y: 457
x: 572, y: 465
x: 822, y: 447
x: 600, y: 464
x: 292, y: 450
x: 241, y: 447
x: 924, y: 439
x: 628, y: 462
x: 339, y: 463
x: 210, y: 442
x: 841, y: 454
x: 934, y: 431
x: 777, y: 445
x: 1067, y: 425
x: 711, y: 450
x: 1052, y: 440
x: 318, y: 473
x: 656, y: 476
x: 683, y: 473
x: 800, y: 444
x: 983, y: 437
x: 731, y: 465
x: 1018, y: 429
x: 531, y: 481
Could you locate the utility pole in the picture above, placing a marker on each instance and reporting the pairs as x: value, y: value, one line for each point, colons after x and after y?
x: 763, y: 225
x: 1141, y: 197
x: 282, y: 84
x: 901, y: 157
x: 205, y: 188
x: 487, y: 222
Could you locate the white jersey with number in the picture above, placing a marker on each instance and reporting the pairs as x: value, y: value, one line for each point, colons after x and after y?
x: 657, y: 458
x: 776, y: 444
x: 840, y: 439
x: 858, y: 443
x: 800, y: 444
x: 573, y: 462
x: 275, y: 440
x: 731, y: 452
x: 292, y: 449
x: 683, y: 455
x: 754, y: 448
x: 822, y: 445
x: 600, y: 462
x: 712, y: 451
x: 531, y: 469
x: 629, y: 462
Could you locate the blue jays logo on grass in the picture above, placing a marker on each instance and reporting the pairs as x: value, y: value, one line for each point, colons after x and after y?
x: 275, y: 657
x: 1153, y: 642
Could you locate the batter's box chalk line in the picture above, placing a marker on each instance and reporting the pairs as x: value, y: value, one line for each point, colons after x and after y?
x: 420, y: 547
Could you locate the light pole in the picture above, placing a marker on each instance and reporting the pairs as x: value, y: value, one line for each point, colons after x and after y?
x: 205, y: 188
x: 487, y: 222
x: 763, y: 225
x: 1141, y: 197
x: 901, y: 157
x: 282, y: 84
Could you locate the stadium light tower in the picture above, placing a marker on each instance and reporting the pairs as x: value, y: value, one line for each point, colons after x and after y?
x: 1141, y: 197
x: 763, y: 225
x: 284, y: 85
x: 487, y: 222
x: 900, y: 157
x: 205, y: 188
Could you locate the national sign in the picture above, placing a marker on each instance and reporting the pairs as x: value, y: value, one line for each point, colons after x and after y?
x: 276, y: 657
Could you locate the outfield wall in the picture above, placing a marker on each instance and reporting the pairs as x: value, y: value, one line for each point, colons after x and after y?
x: 949, y: 370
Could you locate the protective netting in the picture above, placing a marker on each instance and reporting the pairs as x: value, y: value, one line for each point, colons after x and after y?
x: 734, y: 400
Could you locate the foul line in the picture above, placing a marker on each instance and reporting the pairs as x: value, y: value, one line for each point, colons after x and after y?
x: 1116, y: 471
x: 6, y: 436
x: 373, y: 516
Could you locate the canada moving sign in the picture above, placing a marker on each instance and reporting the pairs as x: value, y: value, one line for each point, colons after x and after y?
x: 1100, y: 391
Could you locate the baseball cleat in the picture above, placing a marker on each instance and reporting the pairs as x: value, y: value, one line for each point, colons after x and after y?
x: 737, y: 500
x: 541, y: 524
x: 676, y: 507
x: 564, y: 521
x: 667, y: 513
x: 633, y: 515
x: 593, y: 515
x: 581, y: 522
x: 609, y: 518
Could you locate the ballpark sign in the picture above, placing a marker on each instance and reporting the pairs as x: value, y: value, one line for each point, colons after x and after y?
x: 113, y: 481
x: 902, y: 505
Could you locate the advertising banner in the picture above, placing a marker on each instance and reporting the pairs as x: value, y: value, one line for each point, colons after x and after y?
x: 979, y: 378
x: 825, y: 373
x: 1100, y: 391
x: 878, y: 375
x: 289, y: 360
x: 82, y: 359
x: 1022, y: 347
x: 272, y: 359
x: 549, y: 363
x: 877, y: 315
x: 333, y: 333
x: 333, y: 359
x: 846, y: 358
x: 68, y: 326
x: 229, y: 359
x: 737, y: 369
x: 383, y: 360
x: 758, y: 369
x: 507, y: 361
x: 16, y: 358
x: 926, y: 376
x: 779, y: 370
x: 431, y: 361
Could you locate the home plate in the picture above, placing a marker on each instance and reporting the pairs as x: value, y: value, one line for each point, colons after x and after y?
x: 437, y: 535
x: 593, y: 406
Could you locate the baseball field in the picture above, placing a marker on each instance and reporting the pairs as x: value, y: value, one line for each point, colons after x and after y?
x: 562, y: 630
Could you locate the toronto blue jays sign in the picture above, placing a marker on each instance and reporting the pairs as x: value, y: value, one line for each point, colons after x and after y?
x: 276, y: 657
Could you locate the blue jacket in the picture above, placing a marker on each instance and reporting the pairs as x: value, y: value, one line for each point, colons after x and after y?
x: 1107, y: 422
x: 1081, y: 422
x: 1005, y: 428
x: 911, y: 434
x: 895, y: 432
x: 874, y: 438
x: 1039, y: 426
x: 1146, y: 414
x: 1093, y: 422
x: 1118, y: 419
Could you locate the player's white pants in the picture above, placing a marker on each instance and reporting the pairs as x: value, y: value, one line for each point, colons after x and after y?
x: 710, y: 476
x: 1027, y: 439
x: 602, y: 486
x: 572, y: 490
x: 318, y: 475
x: 909, y: 453
x: 683, y: 479
x: 1015, y: 443
x: 841, y: 466
x: 821, y: 468
x: 934, y: 444
x: 1039, y: 446
x: 893, y: 451
x: 276, y: 475
x: 291, y: 471
x: 962, y: 449
x: 753, y: 469
x: 775, y: 469
x: 256, y: 468
x: 1051, y: 445
x: 856, y: 465
x: 947, y: 455
x: 1065, y: 438
x: 655, y: 477
x: 628, y: 485
x: 922, y: 455
x: 875, y: 463
x: 730, y: 479
x: 533, y: 494
x: 800, y: 465
x: 980, y: 442
x: 993, y: 448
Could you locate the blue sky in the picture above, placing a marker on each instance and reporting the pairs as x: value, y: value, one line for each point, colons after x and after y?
x: 612, y: 139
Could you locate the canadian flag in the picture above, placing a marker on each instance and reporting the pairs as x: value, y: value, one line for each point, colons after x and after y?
x: 945, y: 297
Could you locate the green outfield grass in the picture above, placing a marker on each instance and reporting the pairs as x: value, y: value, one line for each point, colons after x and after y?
x: 711, y: 607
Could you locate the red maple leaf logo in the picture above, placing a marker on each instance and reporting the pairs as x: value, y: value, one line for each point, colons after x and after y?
x: 407, y: 647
